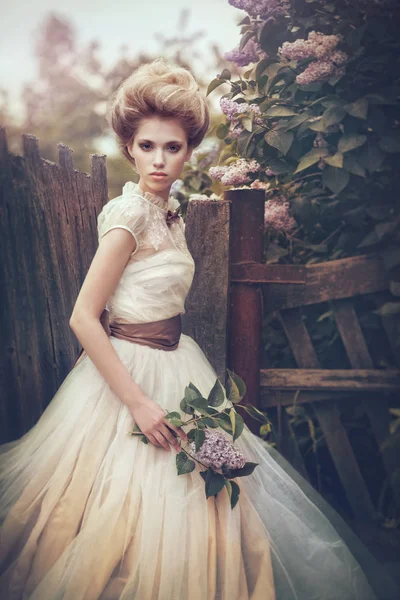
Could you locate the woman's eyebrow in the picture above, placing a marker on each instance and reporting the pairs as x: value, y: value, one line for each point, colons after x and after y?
x: 170, y: 142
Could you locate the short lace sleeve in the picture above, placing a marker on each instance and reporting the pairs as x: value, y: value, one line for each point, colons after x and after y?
x: 124, y: 213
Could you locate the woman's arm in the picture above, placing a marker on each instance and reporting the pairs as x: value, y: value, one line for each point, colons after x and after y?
x: 102, y: 277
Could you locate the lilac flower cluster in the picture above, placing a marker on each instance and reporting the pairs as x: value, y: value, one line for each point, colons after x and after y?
x: 320, y: 141
x: 230, y: 108
x: 262, y: 8
x: 217, y: 450
x: 236, y: 173
x: 329, y: 61
x: 276, y: 215
x: 251, y: 53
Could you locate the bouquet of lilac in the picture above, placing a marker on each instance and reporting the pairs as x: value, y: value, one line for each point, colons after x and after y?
x: 212, y: 449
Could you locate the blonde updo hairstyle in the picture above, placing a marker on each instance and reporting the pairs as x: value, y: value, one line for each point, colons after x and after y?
x: 161, y: 89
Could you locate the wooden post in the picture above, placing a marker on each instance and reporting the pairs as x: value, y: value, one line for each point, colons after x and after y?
x: 205, y: 319
x: 246, y: 303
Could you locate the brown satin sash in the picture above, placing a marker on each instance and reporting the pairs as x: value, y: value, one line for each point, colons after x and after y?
x: 163, y: 335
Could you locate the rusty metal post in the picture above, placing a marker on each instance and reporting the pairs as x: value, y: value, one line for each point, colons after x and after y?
x: 245, y: 299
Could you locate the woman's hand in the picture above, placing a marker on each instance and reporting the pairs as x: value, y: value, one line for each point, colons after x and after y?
x: 150, y: 417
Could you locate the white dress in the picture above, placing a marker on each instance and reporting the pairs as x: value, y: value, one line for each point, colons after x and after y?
x: 89, y: 512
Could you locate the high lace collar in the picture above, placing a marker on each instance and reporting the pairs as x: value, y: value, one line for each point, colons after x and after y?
x: 134, y: 188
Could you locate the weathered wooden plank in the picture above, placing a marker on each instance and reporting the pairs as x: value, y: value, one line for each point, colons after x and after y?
x: 207, y: 302
x: 351, y: 380
x: 277, y: 397
x: 246, y: 272
x: 329, y: 281
x: 356, y: 347
x: 328, y: 416
x: 42, y: 226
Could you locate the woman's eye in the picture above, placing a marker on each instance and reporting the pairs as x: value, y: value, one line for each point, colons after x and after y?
x: 173, y: 147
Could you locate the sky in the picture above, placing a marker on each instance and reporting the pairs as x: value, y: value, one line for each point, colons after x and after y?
x: 113, y: 23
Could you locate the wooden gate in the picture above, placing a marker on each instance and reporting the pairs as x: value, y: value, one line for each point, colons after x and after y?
x: 290, y: 288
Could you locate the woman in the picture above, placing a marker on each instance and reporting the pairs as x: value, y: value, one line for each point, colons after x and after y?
x: 87, y: 511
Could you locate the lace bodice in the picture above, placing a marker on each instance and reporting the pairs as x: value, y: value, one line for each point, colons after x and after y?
x: 159, y: 273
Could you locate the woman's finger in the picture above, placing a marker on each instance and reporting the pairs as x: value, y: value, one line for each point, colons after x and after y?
x: 160, y: 438
x: 178, y: 430
x: 169, y: 435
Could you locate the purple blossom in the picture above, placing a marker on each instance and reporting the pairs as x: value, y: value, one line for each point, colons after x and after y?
x: 318, y: 71
x: 329, y: 61
x: 277, y: 217
x: 320, y: 141
x: 230, y: 108
x: 236, y: 173
x: 251, y: 53
x: 317, y: 45
x: 217, y: 450
x: 262, y: 8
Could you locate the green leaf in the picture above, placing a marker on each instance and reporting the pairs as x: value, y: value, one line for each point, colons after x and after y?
x: 312, y: 157
x: 175, y: 418
x: 235, y: 386
x: 247, y: 123
x: 199, y: 437
x: 389, y: 143
x: 351, y: 141
x: 332, y: 115
x: 280, y: 140
x: 336, y: 160
x: 185, y: 407
x: 370, y: 240
x: 233, y: 491
x: 222, y: 131
x: 226, y: 74
x: 335, y: 179
x: 225, y: 422
x: 297, y: 120
x: 371, y: 157
x: 280, y: 111
x: 200, y: 404
x: 316, y: 125
x: 239, y: 426
x: 351, y: 164
x: 255, y: 413
x: 265, y: 429
x: 195, y: 389
x: 184, y: 464
x: 243, y: 472
x: 357, y: 109
x: 245, y: 38
x: 213, y: 85
x: 388, y: 309
x: 215, y: 482
x: 279, y: 165
x: 216, y: 397
x: 232, y: 414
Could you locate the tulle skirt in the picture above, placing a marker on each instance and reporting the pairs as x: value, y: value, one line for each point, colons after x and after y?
x: 89, y: 512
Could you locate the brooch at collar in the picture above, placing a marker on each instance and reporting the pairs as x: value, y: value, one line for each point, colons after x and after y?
x: 172, y: 216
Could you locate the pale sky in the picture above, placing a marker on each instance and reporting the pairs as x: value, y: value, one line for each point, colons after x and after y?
x: 112, y: 23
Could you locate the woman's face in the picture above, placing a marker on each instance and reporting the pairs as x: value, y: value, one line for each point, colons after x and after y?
x: 160, y: 145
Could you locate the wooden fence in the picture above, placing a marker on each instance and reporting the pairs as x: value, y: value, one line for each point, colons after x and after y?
x: 48, y: 217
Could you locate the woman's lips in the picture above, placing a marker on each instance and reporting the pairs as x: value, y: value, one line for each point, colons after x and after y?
x: 156, y: 176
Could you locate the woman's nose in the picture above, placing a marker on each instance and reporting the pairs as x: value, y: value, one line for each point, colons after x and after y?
x: 158, y: 158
